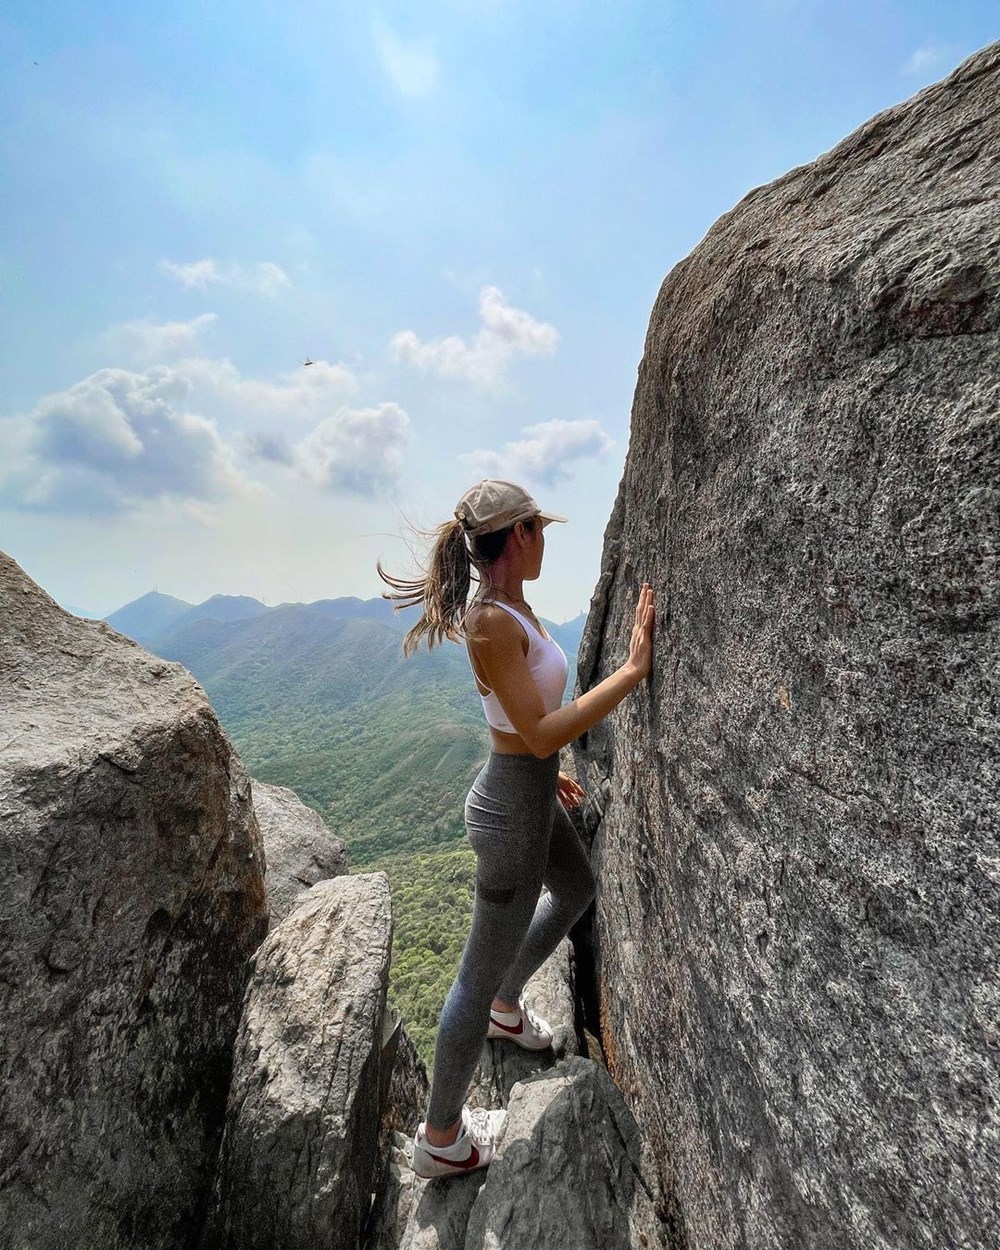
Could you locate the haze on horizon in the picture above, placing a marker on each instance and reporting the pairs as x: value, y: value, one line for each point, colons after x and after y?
x: 458, y: 212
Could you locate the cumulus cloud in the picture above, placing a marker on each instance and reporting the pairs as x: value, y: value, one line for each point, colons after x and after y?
x: 506, y: 332
x: 409, y: 64
x: 122, y: 440
x: 930, y: 56
x: 196, y: 274
x: 151, y: 341
x: 112, y: 442
x: 545, y: 454
x: 274, y: 448
x: 264, y: 278
x: 357, y: 451
x: 304, y: 392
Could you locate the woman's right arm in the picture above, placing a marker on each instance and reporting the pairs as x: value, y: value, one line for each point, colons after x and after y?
x: 545, y: 732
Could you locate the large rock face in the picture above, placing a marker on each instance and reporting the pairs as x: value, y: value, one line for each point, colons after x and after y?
x: 133, y: 897
x: 799, y: 916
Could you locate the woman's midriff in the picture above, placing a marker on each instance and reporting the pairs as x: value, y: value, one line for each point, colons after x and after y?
x: 508, y: 744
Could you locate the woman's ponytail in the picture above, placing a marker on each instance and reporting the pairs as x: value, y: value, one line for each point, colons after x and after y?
x: 443, y: 592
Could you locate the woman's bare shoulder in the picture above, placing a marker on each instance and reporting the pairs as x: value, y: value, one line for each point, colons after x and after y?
x: 490, y: 621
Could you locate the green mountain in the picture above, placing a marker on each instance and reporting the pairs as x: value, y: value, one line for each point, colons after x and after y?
x: 146, y: 618
x: 221, y: 608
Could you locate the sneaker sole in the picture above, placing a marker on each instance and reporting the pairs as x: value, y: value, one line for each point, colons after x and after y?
x: 502, y: 1037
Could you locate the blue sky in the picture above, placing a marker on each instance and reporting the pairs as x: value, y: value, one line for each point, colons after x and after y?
x: 460, y: 210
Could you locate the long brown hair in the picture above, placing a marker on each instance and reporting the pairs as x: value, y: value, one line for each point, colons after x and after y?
x: 444, y: 588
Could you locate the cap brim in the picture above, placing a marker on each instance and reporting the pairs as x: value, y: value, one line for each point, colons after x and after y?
x: 551, y: 516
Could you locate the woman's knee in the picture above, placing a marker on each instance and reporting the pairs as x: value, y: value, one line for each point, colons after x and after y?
x: 573, y: 894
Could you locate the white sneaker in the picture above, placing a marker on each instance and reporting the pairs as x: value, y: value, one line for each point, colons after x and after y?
x: 474, y: 1147
x: 521, y: 1026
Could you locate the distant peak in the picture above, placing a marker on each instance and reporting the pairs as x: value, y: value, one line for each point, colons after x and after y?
x: 245, y: 600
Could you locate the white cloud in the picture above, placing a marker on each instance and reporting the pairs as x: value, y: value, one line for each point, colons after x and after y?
x: 506, y: 332
x: 309, y: 392
x: 357, y: 451
x: 930, y: 56
x: 111, y: 443
x: 546, y: 454
x: 410, y: 65
x: 510, y: 325
x: 264, y: 278
x: 152, y: 341
x: 198, y: 274
x: 268, y: 278
x: 305, y: 392
x: 274, y: 448
x: 123, y: 441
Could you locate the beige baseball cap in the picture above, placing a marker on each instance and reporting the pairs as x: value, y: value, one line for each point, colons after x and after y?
x: 493, y: 503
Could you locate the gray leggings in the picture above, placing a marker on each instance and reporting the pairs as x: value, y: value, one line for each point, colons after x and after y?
x: 523, y: 839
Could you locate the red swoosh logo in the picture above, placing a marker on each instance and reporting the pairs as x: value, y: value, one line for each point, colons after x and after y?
x: 508, y: 1028
x: 471, y: 1162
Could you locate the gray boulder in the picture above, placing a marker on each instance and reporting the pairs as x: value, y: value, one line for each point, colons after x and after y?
x: 570, y: 1171
x: 133, y: 899
x: 300, y: 849
x: 298, y: 1165
x: 798, y: 913
x: 404, y: 1098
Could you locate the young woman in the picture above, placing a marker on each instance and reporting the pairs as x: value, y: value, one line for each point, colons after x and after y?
x: 514, y: 812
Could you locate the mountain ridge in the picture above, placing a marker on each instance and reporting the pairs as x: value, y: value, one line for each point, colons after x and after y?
x: 152, y: 613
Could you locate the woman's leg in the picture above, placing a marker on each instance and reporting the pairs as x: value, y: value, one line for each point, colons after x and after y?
x: 571, y: 885
x: 507, y: 817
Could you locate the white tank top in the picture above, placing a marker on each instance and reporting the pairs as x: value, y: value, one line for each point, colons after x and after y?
x: 548, y: 667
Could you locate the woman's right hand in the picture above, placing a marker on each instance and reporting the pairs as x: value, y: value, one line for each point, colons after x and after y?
x: 640, y: 651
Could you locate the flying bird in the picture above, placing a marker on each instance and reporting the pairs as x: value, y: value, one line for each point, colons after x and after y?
x: 307, y: 362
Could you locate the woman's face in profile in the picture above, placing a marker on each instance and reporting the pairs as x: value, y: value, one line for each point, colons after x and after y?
x: 538, y: 548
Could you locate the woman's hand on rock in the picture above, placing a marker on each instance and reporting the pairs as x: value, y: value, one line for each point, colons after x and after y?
x: 640, y: 651
x: 569, y: 792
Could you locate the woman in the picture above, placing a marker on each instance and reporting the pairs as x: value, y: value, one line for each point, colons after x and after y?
x: 521, y: 835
